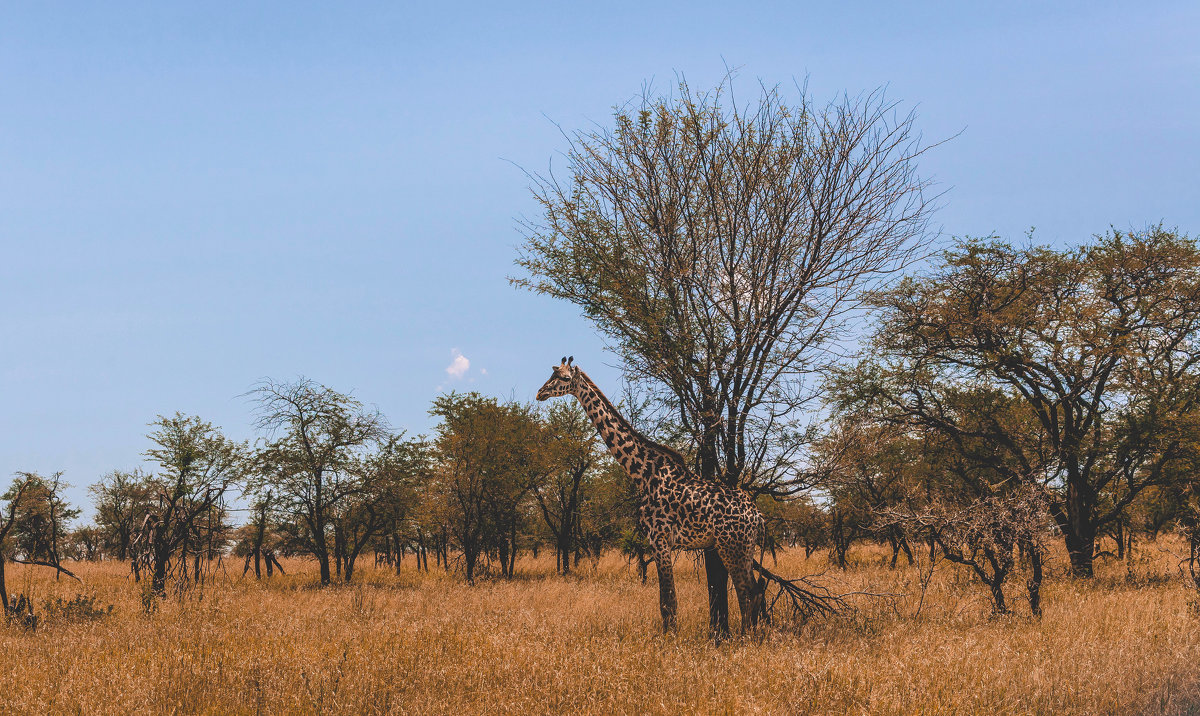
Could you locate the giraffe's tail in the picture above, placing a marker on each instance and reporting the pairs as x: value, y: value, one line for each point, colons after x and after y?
x: 805, y: 597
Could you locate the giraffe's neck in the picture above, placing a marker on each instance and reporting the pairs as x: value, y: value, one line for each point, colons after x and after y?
x: 626, y: 444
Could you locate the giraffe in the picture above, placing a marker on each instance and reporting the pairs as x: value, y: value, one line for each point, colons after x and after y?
x: 676, y: 508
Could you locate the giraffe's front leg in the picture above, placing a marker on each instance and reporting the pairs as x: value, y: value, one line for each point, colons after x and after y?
x: 666, y: 585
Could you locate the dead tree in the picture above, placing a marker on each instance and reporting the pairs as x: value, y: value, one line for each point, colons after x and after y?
x: 983, y: 535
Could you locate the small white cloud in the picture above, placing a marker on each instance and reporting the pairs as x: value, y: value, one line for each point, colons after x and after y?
x: 459, y: 365
x: 483, y: 371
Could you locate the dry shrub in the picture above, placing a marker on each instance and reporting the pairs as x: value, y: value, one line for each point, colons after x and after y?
x: 80, y: 608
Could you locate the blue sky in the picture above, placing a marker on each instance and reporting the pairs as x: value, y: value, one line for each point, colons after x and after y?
x: 195, y: 195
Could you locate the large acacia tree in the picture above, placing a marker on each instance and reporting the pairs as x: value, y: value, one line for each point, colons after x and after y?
x: 1095, y: 346
x: 720, y: 246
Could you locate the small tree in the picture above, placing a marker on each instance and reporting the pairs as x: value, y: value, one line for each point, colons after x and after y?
x: 41, y: 519
x: 1096, y: 345
x: 383, y: 498
x: 197, y: 465
x: 489, y: 456
x: 795, y: 520
x: 85, y: 543
x: 32, y: 525
x: 122, y: 501
x: 867, y: 467
x: 573, y: 455
x: 256, y: 541
x: 316, y: 439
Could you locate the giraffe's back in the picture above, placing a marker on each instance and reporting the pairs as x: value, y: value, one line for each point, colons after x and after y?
x: 693, y: 515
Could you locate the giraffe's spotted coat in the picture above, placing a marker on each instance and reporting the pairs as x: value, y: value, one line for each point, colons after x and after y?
x: 676, y: 509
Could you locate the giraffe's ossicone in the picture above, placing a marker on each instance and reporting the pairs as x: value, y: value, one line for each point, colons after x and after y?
x: 676, y: 508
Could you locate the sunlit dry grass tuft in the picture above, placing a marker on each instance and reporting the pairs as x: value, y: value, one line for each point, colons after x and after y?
x: 413, y: 643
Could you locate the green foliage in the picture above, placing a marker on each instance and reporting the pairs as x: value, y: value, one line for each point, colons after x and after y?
x: 313, y: 459
x: 121, y: 499
x: 40, y: 518
x: 187, y: 517
x: 489, y: 457
x: 1074, y: 372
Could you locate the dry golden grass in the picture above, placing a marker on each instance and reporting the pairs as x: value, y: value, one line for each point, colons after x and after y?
x: 418, y: 643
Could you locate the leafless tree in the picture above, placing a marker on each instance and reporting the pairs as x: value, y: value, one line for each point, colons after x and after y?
x: 985, y: 534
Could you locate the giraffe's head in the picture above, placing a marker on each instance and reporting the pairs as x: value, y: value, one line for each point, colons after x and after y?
x: 562, y: 380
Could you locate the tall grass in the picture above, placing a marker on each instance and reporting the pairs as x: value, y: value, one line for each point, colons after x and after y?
x: 1126, y: 642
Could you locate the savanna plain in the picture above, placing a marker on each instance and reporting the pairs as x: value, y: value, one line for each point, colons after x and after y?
x: 1123, y: 642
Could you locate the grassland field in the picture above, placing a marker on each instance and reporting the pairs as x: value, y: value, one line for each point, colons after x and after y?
x: 1125, y: 642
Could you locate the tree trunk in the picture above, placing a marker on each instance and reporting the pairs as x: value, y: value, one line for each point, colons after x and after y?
x: 1080, y: 529
x: 512, y: 555
x: 997, y: 587
x: 1034, y: 584
x: 840, y: 542
x: 718, y: 594
x: 1081, y: 548
x: 158, y: 580
x: 563, y: 547
x: 469, y: 565
x: 122, y: 545
x: 444, y: 548
x: 321, y: 547
x: 339, y: 548
x: 503, y: 547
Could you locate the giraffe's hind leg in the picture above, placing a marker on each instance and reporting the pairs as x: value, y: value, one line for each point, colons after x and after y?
x: 739, y: 559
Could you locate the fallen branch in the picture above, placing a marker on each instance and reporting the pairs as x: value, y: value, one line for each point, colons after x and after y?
x: 805, y: 597
x: 52, y: 565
